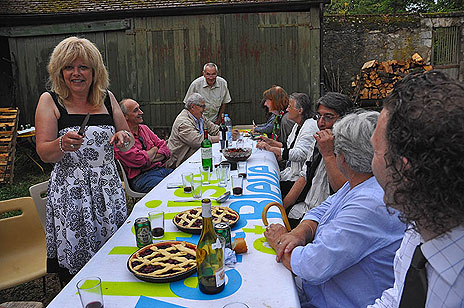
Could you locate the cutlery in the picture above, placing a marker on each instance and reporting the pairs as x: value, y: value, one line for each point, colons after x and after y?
x: 84, y: 123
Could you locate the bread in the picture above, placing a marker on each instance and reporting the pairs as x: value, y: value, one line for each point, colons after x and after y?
x: 239, y: 245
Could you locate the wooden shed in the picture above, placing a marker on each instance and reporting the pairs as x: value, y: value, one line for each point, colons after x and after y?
x: 154, y: 49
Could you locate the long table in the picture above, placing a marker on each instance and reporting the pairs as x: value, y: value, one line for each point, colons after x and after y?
x: 256, y: 279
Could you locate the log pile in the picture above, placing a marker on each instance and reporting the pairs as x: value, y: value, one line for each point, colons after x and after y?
x: 377, y: 79
x: 8, y: 129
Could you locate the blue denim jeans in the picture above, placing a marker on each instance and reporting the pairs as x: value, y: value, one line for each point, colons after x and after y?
x: 144, y: 182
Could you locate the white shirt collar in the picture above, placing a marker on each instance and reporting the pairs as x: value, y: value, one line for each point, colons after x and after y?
x: 444, y: 253
x: 198, y: 122
x: 204, y: 84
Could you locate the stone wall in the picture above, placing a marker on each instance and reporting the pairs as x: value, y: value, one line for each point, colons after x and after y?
x: 350, y: 41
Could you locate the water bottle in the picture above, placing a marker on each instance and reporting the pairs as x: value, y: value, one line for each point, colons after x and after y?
x: 228, y: 122
x: 223, y: 133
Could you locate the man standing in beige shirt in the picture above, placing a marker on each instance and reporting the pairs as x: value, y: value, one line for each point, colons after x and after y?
x: 213, y: 89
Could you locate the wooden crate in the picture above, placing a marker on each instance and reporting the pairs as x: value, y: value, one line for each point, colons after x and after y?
x: 8, y: 130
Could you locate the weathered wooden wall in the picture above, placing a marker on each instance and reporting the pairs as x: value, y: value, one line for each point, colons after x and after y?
x: 154, y: 59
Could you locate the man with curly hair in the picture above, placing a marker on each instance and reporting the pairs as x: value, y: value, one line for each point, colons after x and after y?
x: 419, y: 145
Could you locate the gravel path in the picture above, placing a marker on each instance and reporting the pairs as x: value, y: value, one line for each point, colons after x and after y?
x: 33, y: 291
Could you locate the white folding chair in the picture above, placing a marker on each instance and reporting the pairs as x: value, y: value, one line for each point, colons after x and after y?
x: 129, y: 191
x: 37, y: 191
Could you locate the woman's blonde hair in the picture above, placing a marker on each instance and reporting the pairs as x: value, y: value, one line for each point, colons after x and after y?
x: 64, y: 54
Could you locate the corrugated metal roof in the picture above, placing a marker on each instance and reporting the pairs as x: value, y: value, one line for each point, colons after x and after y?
x: 39, y: 7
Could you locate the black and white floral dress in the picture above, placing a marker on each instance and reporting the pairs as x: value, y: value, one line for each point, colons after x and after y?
x: 86, y: 203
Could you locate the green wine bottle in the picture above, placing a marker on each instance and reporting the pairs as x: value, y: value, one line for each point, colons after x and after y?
x: 207, y: 153
x: 210, y: 255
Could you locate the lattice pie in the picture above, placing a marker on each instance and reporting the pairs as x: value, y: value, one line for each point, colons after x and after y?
x: 191, y: 220
x: 163, y: 259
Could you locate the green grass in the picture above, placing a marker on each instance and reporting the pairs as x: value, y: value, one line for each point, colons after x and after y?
x: 26, y: 174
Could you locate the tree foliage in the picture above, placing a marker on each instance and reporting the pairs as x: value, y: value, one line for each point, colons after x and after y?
x: 393, y: 6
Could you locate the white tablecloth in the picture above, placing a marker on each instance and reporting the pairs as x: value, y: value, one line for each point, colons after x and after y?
x: 257, y: 279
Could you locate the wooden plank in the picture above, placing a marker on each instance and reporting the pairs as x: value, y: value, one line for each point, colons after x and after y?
x: 168, y: 60
x: 66, y: 28
x: 126, y: 43
x: 314, y: 51
x: 113, y: 63
x: 156, y: 41
x: 141, y: 59
x: 179, y: 60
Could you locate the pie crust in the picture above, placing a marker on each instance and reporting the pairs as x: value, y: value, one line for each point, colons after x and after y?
x: 163, y: 260
x: 191, y: 220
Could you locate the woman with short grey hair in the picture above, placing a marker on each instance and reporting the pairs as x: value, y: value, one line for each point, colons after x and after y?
x: 353, y: 138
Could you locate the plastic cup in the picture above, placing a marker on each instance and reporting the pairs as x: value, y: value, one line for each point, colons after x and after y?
x: 237, y: 185
x: 187, y: 178
x: 221, y: 175
x: 205, y: 174
x: 90, y: 292
x: 157, y: 224
x: 227, y: 166
x: 197, y: 186
x: 242, y: 168
x: 217, y: 160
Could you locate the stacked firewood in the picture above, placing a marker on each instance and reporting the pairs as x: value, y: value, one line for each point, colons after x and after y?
x: 377, y: 79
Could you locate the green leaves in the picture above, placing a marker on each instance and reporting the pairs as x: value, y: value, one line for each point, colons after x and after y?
x: 351, y: 7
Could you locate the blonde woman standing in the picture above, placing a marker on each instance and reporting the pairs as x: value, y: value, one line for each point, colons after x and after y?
x: 86, y: 203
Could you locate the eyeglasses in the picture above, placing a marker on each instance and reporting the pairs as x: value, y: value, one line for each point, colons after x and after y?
x: 202, y: 106
x: 144, y: 145
x: 326, y: 117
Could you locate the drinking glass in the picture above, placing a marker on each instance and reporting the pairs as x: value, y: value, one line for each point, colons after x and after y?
x: 237, y: 185
x: 240, y: 141
x: 90, y: 292
x: 157, y: 224
x: 197, y: 186
x: 227, y: 166
x: 187, y: 178
x: 221, y: 175
x: 205, y: 174
x: 242, y: 168
x: 217, y: 160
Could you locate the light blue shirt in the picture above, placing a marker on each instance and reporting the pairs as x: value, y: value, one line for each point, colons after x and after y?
x: 350, y: 261
x: 198, y: 122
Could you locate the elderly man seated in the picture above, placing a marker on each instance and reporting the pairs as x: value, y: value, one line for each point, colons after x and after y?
x: 145, y: 161
x: 343, y: 250
x: 187, y: 130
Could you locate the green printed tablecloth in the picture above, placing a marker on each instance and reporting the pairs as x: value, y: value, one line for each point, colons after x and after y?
x: 256, y: 279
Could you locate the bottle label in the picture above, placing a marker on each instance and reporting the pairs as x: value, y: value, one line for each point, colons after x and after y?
x: 206, y: 153
x: 217, y: 244
x: 206, y: 209
x: 220, y: 277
